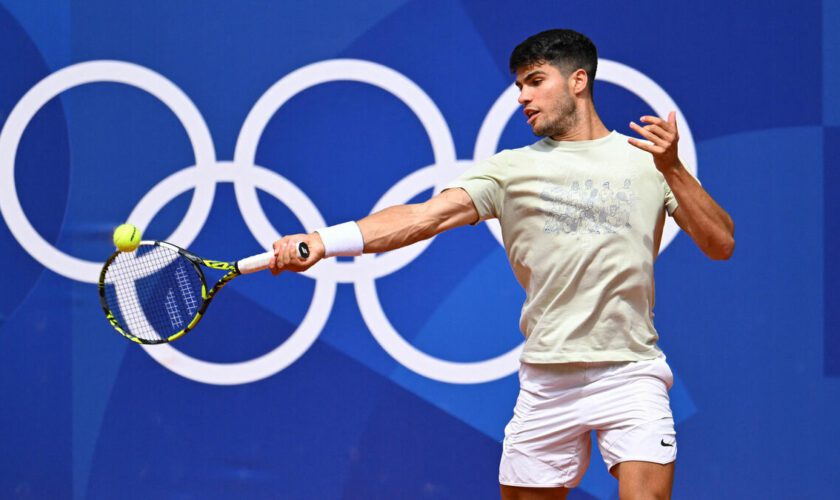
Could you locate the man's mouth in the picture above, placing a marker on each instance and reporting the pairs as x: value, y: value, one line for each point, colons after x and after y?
x: 531, y: 114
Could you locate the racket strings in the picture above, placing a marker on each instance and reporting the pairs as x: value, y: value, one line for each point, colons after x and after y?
x: 153, y: 293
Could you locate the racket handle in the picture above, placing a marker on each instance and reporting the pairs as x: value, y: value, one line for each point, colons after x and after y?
x: 254, y: 263
x: 260, y: 262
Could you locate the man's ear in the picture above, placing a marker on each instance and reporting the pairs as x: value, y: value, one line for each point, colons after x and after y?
x: 578, y: 81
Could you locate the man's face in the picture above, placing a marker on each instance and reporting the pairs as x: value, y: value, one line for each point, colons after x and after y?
x: 546, y: 100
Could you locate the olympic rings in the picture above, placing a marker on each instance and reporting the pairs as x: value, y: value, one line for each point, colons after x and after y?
x: 247, y: 177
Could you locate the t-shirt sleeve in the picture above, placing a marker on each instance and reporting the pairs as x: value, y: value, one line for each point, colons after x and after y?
x: 484, y: 183
x: 671, y: 202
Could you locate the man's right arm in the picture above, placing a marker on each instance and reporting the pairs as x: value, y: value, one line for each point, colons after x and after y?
x: 402, y: 225
x: 389, y: 229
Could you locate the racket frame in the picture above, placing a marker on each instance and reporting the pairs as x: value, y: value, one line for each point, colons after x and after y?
x: 206, y: 295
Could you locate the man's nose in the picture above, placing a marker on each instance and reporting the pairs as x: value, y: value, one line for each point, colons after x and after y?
x: 524, y: 97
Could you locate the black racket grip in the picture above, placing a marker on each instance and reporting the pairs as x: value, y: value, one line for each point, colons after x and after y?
x: 303, y: 250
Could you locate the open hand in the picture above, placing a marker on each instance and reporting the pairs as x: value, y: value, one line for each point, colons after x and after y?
x: 663, y: 137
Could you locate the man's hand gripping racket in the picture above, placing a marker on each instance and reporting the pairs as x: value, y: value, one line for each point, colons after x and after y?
x: 288, y: 258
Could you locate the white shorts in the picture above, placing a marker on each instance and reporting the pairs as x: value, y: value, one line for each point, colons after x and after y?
x: 547, y: 442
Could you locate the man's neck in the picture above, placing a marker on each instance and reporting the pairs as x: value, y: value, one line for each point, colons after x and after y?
x: 588, y: 127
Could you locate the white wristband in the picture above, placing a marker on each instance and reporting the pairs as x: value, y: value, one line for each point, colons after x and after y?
x: 342, y: 240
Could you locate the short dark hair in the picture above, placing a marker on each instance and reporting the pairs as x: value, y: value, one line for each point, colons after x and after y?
x: 566, y: 50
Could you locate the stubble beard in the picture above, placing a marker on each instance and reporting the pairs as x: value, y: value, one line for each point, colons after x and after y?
x: 564, y: 118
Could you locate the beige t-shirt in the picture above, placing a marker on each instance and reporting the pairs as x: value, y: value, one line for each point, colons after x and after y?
x: 579, y: 222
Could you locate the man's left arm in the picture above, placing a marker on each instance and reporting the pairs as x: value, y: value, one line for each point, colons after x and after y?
x: 698, y: 214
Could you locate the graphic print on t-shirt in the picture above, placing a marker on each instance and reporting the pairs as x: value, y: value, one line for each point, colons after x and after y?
x: 587, y: 207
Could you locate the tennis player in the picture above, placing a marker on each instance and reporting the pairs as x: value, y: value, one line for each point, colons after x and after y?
x: 582, y: 212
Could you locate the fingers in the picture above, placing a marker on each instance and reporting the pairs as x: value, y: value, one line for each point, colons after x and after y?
x: 284, y: 253
x: 645, y: 146
x: 660, y: 132
x: 669, y: 126
x: 656, y: 145
x: 652, y: 119
x: 646, y: 133
x: 289, y: 253
x: 272, y: 263
x: 656, y: 132
x: 280, y: 259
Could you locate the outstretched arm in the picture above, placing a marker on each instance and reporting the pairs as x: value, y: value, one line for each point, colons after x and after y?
x: 698, y: 214
x: 389, y: 229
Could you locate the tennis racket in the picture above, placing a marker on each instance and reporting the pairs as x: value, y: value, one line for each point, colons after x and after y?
x: 158, y: 293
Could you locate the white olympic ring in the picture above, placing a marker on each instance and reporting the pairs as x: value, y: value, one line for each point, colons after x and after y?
x: 67, y: 78
x: 313, y: 322
x: 247, y: 177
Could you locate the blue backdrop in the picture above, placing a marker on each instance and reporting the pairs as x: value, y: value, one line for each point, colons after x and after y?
x: 219, y: 125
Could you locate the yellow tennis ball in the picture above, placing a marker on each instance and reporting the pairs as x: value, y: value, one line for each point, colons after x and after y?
x: 127, y: 238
